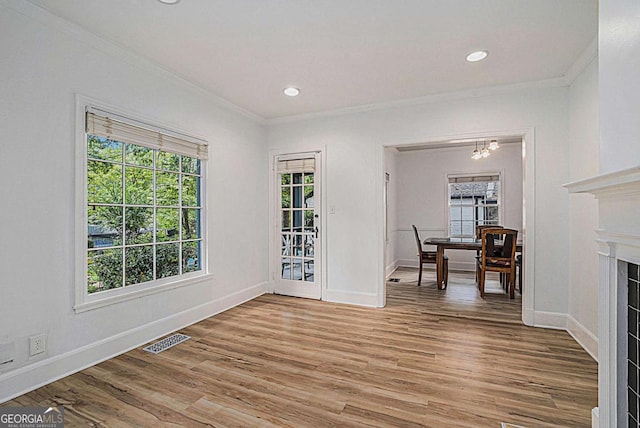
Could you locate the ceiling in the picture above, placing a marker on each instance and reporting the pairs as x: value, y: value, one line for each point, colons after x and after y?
x: 342, y: 53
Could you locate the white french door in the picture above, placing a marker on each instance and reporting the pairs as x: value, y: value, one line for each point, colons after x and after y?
x: 297, y: 270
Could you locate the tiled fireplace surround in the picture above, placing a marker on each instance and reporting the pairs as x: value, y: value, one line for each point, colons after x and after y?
x: 618, y: 197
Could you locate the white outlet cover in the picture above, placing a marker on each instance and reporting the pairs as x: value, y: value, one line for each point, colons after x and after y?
x: 36, y: 345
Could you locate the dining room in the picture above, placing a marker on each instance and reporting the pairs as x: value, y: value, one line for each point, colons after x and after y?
x: 446, y: 189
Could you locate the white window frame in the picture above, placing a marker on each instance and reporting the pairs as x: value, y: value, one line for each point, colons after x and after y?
x: 85, y: 301
x: 447, y: 193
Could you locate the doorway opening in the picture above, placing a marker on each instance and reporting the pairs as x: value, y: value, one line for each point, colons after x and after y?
x: 419, y: 190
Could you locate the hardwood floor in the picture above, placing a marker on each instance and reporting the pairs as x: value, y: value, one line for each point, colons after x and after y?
x: 282, y: 361
x: 460, y: 299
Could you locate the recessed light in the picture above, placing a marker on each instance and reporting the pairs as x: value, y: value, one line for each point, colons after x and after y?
x: 169, y: 1
x: 291, y: 91
x: 477, y: 56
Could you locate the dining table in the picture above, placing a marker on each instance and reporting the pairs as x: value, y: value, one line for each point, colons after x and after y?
x: 456, y: 243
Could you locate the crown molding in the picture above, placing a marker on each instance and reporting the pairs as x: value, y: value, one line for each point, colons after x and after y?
x: 582, y: 62
x: 122, y: 52
x: 112, y: 48
x: 585, y: 58
x: 427, y: 99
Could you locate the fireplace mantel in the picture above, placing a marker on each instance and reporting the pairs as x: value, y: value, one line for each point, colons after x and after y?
x: 618, y: 195
x: 615, y: 184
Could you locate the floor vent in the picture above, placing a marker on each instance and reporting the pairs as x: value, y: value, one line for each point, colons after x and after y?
x: 166, y: 343
x: 394, y: 279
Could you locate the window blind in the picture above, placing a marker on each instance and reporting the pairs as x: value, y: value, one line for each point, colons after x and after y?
x: 119, y: 128
x: 297, y: 165
x: 474, y: 179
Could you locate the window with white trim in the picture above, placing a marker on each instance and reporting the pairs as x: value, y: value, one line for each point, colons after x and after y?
x: 143, y: 204
x: 473, y: 201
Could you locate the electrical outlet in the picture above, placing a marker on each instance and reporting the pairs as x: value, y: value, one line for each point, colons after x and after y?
x: 36, y: 345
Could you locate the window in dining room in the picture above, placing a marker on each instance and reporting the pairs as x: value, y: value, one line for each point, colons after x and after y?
x: 473, y: 200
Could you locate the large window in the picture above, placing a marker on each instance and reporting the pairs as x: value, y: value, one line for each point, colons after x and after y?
x: 473, y: 201
x: 144, y: 205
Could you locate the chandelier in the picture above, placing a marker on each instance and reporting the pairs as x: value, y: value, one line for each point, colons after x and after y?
x: 485, y: 152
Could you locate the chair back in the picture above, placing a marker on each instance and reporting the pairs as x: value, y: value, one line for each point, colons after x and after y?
x: 504, y: 256
x: 509, y: 244
x: 480, y: 227
x: 418, y: 243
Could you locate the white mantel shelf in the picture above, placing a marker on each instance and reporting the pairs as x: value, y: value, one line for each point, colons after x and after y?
x: 618, y: 183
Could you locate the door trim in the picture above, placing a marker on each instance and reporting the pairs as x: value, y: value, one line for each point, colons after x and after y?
x: 274, y: 236
x: 528, y: 212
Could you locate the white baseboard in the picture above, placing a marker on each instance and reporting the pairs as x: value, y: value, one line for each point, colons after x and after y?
x: 528, y: 316
x: 33, y: 376
x: 391, y: 268
x: 558, y: 321
x: 595, y: 417
x: 554, y: 320
x: 584, y: 337
x: 351, y: 298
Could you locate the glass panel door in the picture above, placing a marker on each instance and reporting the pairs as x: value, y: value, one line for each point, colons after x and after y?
x: 298, y: 232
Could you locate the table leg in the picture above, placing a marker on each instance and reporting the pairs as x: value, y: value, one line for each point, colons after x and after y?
x: 440, y: 267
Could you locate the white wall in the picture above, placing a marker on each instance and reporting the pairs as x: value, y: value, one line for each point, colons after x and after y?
x: 583, y: 209
x: 354, y: 178
x: 390, y: 167
x: 423, y: 194
x: 619, y: 62
x: 43, y: 66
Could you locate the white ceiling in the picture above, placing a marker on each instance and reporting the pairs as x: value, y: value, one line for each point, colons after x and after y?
x: 342, y: 53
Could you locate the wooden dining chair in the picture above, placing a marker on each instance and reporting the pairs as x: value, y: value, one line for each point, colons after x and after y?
x: 519, y: 271
x: 429, y: 257
x: 485, y: 226
x: 498, y: 259
x: 479, y: 236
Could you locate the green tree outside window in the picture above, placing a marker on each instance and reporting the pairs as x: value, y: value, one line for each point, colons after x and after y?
x: 139, y: 227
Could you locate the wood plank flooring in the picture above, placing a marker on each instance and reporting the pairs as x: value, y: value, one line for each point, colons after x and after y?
x: 460, y: 299
x: 286, y: 362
